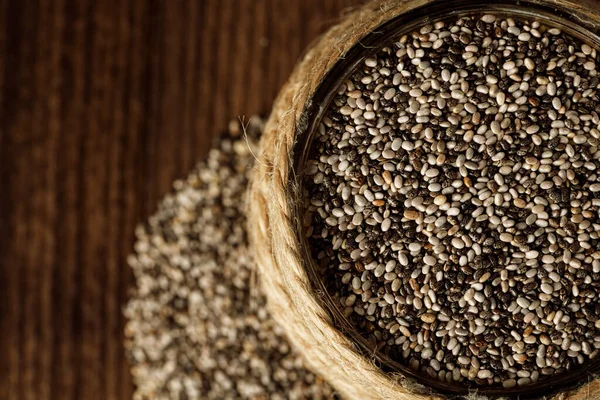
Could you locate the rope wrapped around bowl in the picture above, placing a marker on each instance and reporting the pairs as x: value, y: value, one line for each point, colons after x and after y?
x: 273, y: 218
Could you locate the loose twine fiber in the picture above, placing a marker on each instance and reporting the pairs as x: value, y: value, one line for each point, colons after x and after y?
x: 272, y: 219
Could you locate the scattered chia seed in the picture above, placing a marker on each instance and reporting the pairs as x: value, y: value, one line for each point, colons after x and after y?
x: 453, y: 201
x: 197, y: 324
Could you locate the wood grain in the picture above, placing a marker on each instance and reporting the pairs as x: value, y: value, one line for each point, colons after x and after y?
x: 102, y: 105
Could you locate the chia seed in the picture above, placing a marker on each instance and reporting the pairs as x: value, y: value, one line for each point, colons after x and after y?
x: 197, y: 323
x: 471, y: 199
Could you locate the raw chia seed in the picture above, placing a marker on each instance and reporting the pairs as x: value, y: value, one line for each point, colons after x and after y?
x: 197, y: 324
x: 453, y: 200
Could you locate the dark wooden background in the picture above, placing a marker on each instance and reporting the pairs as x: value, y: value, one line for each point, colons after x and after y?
x: 102, y: 106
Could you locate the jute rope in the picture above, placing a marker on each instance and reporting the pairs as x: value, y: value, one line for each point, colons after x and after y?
x: 292, y: 300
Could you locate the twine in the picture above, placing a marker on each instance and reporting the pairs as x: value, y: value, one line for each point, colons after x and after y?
x: 293, y: 302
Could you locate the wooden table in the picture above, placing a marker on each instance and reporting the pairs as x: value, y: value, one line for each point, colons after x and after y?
x: 102, y: 106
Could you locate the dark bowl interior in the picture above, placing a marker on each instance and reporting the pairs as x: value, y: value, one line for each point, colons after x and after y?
x: 385, y: 35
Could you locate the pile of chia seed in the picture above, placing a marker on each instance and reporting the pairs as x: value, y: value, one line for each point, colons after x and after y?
x: 197, y: 324
x: 453, y: 201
